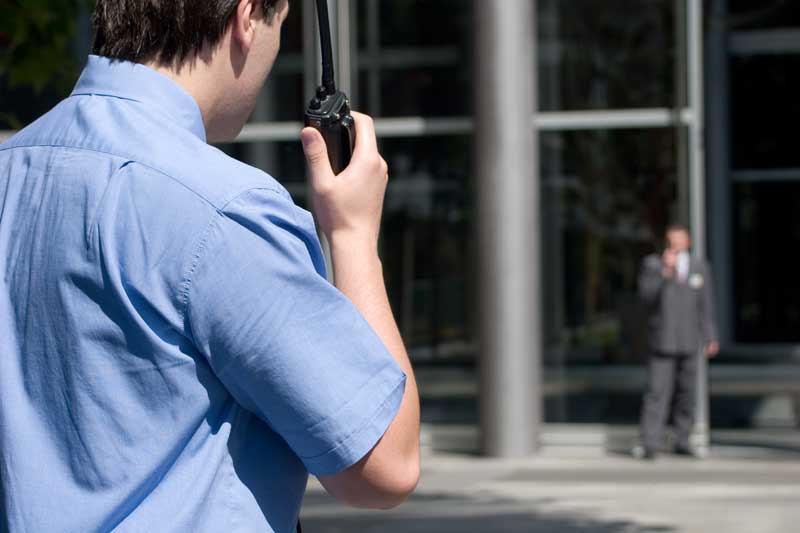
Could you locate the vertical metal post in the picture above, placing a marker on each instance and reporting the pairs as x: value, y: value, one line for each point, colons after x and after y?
x: 697, y: 198
x: 373, y: 52
x: 682, y: 144
x: 719, y: 166
x: 343, y: 44
x: 508, y: 227
x: 311, y: 54
x: 333, y: 18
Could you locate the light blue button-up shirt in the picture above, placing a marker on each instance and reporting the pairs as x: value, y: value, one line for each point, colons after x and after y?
x: 171, y: 355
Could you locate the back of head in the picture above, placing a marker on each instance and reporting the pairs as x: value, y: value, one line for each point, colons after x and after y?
x: 163, y: 32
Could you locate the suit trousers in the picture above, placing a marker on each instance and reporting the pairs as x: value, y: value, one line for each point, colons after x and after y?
x: 671, y: 389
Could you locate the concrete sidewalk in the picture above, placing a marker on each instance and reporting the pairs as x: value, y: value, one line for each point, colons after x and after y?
x: 607, y: 494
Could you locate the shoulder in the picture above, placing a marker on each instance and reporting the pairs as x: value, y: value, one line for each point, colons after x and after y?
x: 204, y: 170
x: 651, y: 261
x: 133, y: 135
x: 221, y: 199
x: 158, y: 178
x: 700, y: 264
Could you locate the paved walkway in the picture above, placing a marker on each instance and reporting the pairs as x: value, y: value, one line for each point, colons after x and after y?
x: 611, y: 494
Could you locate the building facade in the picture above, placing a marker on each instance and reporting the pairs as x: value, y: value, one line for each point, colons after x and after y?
x: 647, y: 112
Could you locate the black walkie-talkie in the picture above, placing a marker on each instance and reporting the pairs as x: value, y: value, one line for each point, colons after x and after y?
x: 329, y: 110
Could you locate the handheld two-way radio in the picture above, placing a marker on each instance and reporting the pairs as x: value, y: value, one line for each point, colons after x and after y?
x: 329, y: 109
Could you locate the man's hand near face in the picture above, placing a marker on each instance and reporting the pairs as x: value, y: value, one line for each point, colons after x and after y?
x: 669, y: 261
x: 712, y: 349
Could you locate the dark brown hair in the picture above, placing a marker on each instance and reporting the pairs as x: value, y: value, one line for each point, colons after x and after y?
x: 676, y: 226
x: 167, y: 32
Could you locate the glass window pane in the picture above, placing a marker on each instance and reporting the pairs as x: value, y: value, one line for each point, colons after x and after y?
x: 424, y: 91
x: 765, y: 111
x: 596, y: 54
x: 764, y: 14
x: 606, y: 198
x: 426, y: 243
x: 415, y: 23
x: 414, y: 58
x: 766, y: 285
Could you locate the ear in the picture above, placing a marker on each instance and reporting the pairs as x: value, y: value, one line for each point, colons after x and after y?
x: 243, y: 24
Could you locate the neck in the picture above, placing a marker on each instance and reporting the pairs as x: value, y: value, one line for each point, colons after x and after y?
x: 197, y: 77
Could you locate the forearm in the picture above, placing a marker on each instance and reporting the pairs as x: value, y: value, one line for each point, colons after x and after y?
x: 348, y: 208
x: 358, y: 274
x: 708, y: 311
x: 650, y: 285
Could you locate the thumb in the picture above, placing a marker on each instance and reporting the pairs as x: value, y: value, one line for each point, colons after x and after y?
x: 316, y: 153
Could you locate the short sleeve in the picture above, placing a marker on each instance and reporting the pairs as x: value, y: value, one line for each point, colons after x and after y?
x: 285, y: 342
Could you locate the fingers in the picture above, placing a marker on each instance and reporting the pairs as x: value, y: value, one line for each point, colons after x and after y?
x: 365, y: 135
x: 365, y: 153
x: 316, y: 156
x: 352, y: 200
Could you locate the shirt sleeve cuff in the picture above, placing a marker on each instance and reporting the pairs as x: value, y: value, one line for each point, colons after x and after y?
x: 369, y: 413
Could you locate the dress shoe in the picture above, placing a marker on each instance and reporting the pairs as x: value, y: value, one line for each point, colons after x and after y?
x: 649, y: 454
x: 686, y: 451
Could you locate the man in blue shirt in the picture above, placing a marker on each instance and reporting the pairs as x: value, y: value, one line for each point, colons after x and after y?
x: 172, y: 357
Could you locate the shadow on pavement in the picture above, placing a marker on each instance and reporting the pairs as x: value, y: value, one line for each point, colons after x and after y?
x: 448, y: 514
x: 764, y: 445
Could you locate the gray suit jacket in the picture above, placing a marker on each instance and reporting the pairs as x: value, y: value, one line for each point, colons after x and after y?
x: 681, y: 314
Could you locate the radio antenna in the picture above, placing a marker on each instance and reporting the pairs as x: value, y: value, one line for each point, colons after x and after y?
x: 327, y: 49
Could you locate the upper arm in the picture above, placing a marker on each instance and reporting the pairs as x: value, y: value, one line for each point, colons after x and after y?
x: 709, y: 313
x: 650, y: 279
x: 286, y: 344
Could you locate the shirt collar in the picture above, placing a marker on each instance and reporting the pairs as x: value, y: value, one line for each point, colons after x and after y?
x: 133, y: 81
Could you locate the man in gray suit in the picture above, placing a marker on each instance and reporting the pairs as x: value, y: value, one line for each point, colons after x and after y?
x: 676, y: 288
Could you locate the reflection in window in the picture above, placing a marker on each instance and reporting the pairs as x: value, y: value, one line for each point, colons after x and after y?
x: 764, y: 14
x: 414, y: 58
x: 596, y: 54
x: 607, y: 196
x: 766, y: 285
x: 426, y: 243
x: 765, y: 111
